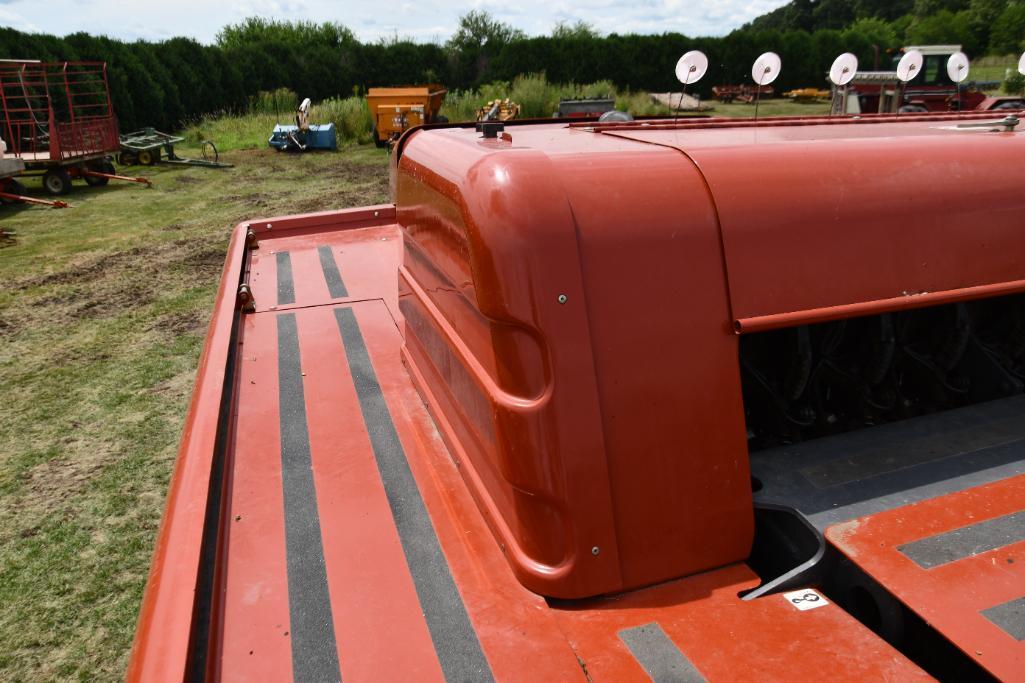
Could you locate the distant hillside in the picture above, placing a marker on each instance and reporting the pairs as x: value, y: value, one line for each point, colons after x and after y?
x: 980, y: 26
x: 812, y: 15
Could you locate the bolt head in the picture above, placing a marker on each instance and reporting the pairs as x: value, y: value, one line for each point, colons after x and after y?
x: 595, y: 550
x: 563, y: 298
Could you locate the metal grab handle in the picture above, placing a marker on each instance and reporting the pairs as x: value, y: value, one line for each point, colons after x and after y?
x: 1008, y: 123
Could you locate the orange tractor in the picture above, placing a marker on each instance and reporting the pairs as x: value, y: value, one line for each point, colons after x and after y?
x: 671, y: 400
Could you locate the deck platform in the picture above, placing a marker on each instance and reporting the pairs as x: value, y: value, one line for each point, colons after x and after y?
x: 348, y: 546
x: 933, y: 508
x: 36, y: 160
x: 958, y: 561
x: 840, y: 478
x: 10, y: 166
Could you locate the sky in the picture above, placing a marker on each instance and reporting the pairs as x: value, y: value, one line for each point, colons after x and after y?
x: 371, y: 20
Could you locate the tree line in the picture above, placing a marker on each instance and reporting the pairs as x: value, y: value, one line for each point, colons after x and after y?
x: 165, y: 84
x: 979, y: 26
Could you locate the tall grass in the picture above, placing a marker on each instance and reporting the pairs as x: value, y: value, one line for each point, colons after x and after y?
x: 537, y: 97
x: 463, y: 105
x: 232, y: 131
x: 350, y: 115
x: 279, y: 102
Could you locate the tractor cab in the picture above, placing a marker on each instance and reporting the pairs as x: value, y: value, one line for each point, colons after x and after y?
x: 934, y: 65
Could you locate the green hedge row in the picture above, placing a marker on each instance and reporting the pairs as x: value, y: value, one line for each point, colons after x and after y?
x: 167, y: 84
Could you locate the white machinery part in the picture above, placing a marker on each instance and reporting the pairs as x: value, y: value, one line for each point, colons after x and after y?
x: 691, y: 67
x: 302, y: 115
x: 766, y: 68
x: 843, y: 69
x: 957, y: 67
x: 910, y: 65
x: 3, y: 148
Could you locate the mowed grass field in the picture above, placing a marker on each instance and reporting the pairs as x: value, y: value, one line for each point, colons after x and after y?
x: 103, y: 312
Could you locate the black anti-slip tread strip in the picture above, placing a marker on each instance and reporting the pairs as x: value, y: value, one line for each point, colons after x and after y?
x: 958, y: 544
x: 286, y: 288
x: 335, y: 285
x: 658, y: 655
x: 312, y: 633
x: 924, y: 448
x: 455, y: 642
x: 1010, y: 617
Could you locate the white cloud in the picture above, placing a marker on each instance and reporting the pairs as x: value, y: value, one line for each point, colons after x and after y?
x: 13, y: 19
x: 370, y: 20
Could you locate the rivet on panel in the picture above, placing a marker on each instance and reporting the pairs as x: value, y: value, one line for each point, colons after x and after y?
x: 563, y: 299
x: 595, y: 550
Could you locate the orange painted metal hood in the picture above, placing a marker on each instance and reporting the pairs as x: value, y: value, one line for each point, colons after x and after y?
x: 857, y: 215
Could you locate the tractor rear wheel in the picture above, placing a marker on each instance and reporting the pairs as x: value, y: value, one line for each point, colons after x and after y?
x: 148, y: 157
x: 57, y: 181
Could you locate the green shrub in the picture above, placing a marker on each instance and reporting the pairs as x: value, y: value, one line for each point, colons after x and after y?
x: 540, y: 99
x: 351, y: 117
x: 534, y: 95
x: 282, y: 101
x: 641, y: 104
x: 462, y: 105
x: 1014, y: 84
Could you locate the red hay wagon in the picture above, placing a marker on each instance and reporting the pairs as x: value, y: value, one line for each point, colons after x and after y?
x: 58, y: 119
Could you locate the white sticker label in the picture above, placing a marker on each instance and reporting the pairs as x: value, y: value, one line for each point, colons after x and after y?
x: 805, y: 599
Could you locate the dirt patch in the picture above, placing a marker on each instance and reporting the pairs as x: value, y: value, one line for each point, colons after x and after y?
x: 110, y: 285
x: 7, y: 328
x: 53, y: 483
x: 92, y: 268
x: 259, y: 200
x: 177, y: 324
x: 310, y: 205
x: 7, y: 238
x: 353, y: 173
x: 175, y: 388
x: 62, y: 354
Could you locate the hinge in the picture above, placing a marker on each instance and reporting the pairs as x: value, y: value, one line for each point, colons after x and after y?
x: 251, y: 241
x: 245, y: 299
